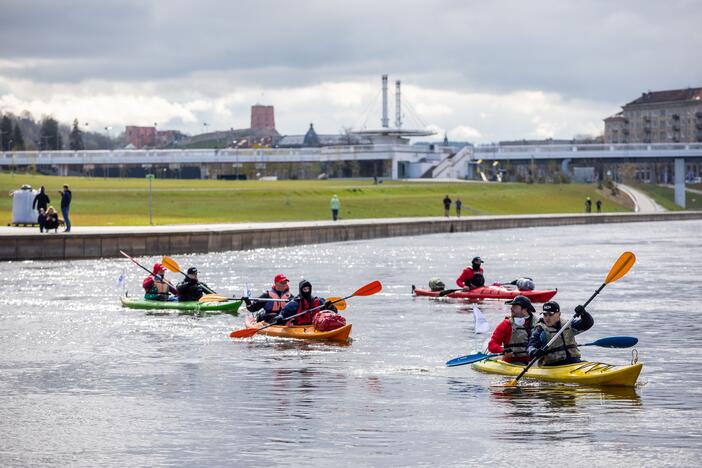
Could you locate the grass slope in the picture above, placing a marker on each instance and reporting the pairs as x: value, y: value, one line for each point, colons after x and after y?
x: 665, y: 196
x: 126, y: 201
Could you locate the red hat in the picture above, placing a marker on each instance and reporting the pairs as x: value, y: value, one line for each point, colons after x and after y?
x: 280, y: 278
x: 158, y: 269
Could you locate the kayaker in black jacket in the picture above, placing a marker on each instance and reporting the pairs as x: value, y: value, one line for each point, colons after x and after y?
x: 280, y: 290
x: 190, y: 288
x: 565, y: 349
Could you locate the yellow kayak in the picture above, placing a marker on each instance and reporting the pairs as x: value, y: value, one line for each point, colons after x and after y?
x: 583, y: 373
x: 303, y: 332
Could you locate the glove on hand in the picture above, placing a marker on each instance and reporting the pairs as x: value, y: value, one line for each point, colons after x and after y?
x: 579, y: 311
x: 327, y: 305
x: 247, y: 301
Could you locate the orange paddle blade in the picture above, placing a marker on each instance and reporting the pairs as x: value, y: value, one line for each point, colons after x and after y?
x: 621, y: 267
x: 214, y: 298
x: 245, y: 333
x: 340, y: 305
x: 369, y: 289
x: 171, y: 264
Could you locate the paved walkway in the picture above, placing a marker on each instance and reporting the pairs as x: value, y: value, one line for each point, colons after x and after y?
x: 642, y: 202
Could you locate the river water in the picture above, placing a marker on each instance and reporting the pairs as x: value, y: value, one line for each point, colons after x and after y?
x: 87, y: 383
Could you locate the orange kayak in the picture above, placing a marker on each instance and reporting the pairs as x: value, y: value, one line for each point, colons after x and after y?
x: 302, y: 332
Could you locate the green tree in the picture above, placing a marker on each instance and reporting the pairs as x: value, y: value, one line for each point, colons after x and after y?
x: 17, y: 138
x: 49, y: 137
x: 5, y: 133
x: 75, y: 139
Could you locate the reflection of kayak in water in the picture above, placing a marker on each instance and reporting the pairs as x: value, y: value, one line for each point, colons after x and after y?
x: 303, y: 332
x: 490, y: 292
x: 231, y: 307
x: 583, y: 373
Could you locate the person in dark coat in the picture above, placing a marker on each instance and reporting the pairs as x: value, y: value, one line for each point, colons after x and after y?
x: 66, y: 197
x: 302, y: 302
x: 447, y: 206
x: 52, y: 220
x: 266, y: 311
x: 190, y: 289
x: 41, y: 219
x: 41, y: 200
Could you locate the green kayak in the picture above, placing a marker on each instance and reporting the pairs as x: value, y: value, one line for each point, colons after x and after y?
x: 230, y: 307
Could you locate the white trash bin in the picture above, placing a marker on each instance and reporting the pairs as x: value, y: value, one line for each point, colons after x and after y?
x: 22, y: 211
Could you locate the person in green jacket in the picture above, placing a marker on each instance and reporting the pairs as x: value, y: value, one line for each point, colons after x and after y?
x: 335, y: 206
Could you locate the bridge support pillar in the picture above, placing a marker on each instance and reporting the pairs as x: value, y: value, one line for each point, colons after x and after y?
x: 680, y: 182
x: 63, y: 170
x: 204, y: 171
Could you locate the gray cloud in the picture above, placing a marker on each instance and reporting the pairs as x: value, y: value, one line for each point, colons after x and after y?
x: 594, y: 50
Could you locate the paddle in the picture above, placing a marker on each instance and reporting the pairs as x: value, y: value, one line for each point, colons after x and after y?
x: 341, y: 305
x: 609, y: 342
x: 146, y: 269
x: 367, y: 290
x: 620, y: 268
x: 172, y: 265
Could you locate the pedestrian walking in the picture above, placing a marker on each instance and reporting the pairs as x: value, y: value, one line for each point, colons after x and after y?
x: 459, y: 205
x: 598, y: 204
x: 335, y: 207
x: 41, y: 200
x: 588, y: 205
x: 447, y: 206
x: 66, y: 197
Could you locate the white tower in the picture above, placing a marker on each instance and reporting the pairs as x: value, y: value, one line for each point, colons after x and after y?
x: 398, y: 109
x: 384, y: 120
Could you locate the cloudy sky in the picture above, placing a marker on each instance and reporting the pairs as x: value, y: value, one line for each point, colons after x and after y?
x: 480, y: 70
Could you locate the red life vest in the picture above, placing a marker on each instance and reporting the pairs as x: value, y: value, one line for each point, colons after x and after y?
x: 306, y: 319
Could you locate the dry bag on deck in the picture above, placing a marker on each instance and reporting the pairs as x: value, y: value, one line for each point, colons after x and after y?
x: 435, y: 284
x: 326, y: 321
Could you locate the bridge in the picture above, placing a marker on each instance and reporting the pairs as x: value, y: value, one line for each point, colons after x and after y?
x: 465, y: 163
x: 62, y: 160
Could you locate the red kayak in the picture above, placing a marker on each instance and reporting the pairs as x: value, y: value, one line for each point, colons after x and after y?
x: 490, y: 292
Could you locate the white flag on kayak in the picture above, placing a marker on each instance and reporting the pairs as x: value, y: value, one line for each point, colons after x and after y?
x: 480, y: 323
x: 121, y: 284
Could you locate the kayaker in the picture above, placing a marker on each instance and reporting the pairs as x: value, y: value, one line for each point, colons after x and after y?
x: 472, y: 277
x: 190, y: 288
x: 565, y: 349
x: 511, y: 336
x: 280, y: 290
x: 303, y: 301
x: 156, y: 286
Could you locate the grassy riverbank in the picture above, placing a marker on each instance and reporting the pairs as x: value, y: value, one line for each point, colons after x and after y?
x: 100, y: 202
x: 665, y: 196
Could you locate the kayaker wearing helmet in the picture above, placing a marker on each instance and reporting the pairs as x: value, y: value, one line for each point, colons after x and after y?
x: 472, y: 277
x: 280, y: 290
x: 565, y: 349
x: 190, y: 288
x: 302, y: 302
x: 156, y: 286
x: 511, y: 336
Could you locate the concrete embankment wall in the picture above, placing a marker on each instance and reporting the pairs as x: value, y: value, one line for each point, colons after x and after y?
x: 177, y: 240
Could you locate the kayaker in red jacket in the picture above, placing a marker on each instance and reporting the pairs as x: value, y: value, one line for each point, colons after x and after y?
x: 301, y: 302
x: 511, y: 336
x: 156, y: 286
x: 472, y: 277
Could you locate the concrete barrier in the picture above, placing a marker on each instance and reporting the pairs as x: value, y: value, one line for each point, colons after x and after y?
x: 179, y: 239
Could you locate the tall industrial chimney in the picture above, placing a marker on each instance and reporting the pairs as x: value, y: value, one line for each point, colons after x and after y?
x: 384, y: 120
x: 398, y: 108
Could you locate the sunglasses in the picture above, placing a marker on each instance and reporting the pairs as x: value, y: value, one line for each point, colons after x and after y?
x: 548, y: 314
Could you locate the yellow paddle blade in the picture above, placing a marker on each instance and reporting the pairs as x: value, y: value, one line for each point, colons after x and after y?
x: 621, y: 267
x: 341, y: 305
x: 171, y: 264
x: 214, y: 298
x: 512, y: 383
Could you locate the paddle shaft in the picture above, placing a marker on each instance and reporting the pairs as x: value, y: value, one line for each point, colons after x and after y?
x: 559, y: 333
x: 173, y: 263
x: 146, y: 269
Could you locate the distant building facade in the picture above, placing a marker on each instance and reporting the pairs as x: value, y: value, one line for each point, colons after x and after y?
x: 140, y: 137
x: 262, y: 117
x: 673, y: 116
